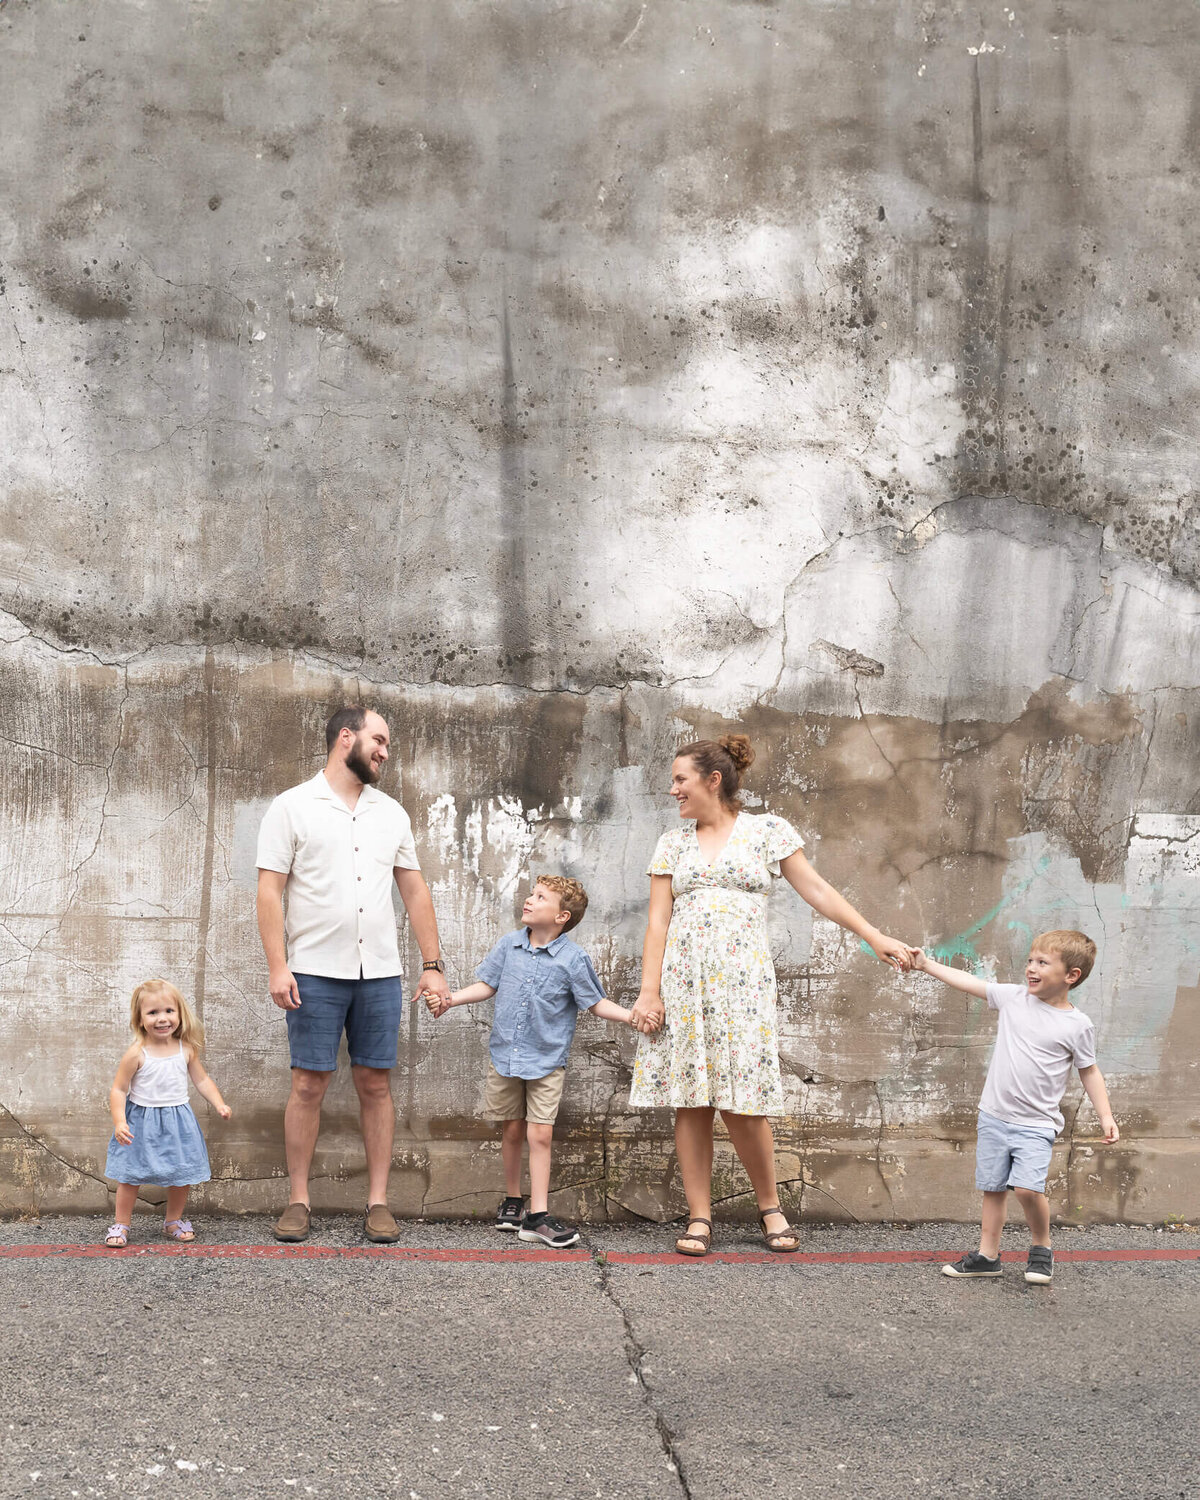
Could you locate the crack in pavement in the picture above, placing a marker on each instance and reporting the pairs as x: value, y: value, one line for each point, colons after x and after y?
x: 635, y: 1353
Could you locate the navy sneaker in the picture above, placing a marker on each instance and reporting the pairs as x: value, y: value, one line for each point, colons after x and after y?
x: 510, y: 1213
x: 1040, y: 1266
x: 541, y: 1229
x: 973, y: 1264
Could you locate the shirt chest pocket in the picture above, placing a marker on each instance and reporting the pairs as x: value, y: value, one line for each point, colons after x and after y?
x: 551, y: 989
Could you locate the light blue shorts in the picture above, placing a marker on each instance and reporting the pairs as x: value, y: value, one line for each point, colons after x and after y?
x: 1011, y: 1156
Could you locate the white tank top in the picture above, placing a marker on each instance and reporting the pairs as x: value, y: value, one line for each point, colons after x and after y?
x: 160, y: 1081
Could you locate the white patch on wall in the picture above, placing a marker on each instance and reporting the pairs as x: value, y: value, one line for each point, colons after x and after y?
x: 441, y: 823
x: 510, y: 838
x: 921, y: 418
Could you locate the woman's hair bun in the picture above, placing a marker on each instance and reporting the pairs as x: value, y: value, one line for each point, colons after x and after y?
x: 740, y: 750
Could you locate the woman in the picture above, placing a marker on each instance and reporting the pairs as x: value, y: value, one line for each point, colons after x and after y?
x: 706, y: 970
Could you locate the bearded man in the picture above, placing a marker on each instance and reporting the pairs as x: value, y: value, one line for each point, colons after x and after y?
x: 335, y: 844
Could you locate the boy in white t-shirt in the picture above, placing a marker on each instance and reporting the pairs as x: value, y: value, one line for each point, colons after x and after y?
x: 1039, y: 1036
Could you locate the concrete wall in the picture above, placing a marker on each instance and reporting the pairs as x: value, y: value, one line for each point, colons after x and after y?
x: 563, y: 380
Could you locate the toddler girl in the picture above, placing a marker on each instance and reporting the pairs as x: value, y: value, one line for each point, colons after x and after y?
x: 156, y: 1139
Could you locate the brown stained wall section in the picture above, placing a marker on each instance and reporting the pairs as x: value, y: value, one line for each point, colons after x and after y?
x: 911, y: 819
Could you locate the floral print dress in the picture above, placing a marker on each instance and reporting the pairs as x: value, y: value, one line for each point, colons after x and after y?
x: 718, y: 1043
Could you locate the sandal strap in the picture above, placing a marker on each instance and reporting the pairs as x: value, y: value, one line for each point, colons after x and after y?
x: 695, y: 1219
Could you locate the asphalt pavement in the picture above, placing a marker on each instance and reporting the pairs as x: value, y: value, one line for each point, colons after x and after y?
x: 456, y: 1369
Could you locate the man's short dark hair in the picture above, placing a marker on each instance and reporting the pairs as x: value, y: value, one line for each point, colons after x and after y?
x: 352, y: 717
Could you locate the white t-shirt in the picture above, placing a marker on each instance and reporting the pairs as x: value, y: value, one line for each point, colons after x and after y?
x: 1036, y: 1045
x: 340, y: 918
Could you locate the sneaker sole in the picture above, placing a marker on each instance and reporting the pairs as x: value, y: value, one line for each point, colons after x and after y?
x: 970, y: 1275
x: 507, y: 1228
x: 1039, y: 1278
x: 531, y: 1238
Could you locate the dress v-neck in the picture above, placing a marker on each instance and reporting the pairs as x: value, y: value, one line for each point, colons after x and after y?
x: 708, y: 863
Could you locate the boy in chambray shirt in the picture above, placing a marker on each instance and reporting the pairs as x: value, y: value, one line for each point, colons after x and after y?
x: 541, y: 981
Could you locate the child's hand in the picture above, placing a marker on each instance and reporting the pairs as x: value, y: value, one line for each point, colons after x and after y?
x: 918, y: 958
x: 893, y: 952
x: 224, y: 1110
x: 123, y: 1133
x: 648, y: 1013
x: 1111, y: 1133
x: 438, y: 1004
x: 649, y: 1024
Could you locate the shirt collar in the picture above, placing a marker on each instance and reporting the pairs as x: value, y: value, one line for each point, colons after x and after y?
x: 521, y: 940
x: 325, y: 793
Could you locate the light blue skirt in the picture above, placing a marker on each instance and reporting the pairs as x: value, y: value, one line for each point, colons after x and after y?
x: 167, y: 1149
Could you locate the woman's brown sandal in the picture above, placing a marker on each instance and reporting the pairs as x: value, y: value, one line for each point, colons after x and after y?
x: 773, y: 1237
x: 703, y: 1239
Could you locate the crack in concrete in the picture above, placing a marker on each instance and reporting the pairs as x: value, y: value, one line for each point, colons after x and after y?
x: 49, y: 1150
x: 635, y: 1354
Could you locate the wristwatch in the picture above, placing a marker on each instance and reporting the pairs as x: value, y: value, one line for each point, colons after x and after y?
x: 433, y: 963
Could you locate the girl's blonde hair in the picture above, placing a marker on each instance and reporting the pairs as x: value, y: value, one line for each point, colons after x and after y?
x: 189, y: 1031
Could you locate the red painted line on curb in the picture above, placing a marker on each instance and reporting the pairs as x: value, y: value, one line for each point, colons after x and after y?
x: 558, y: 1257
x: 291, y: 1252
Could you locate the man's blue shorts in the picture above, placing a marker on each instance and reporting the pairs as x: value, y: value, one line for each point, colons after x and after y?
x: 369, y: 1011
x: 1011, y: 1156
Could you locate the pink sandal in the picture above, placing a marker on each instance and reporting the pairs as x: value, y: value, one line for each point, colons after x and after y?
x: 178, y: 1229
x: 116, y: 1236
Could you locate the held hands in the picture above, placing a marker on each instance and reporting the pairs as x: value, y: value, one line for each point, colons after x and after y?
x: 892, y: 951
x: 433, y: 986
x: 437, y: 1005
x: 123, y: 1133
x: 648, y: 1013
x: 920, y: 960
x: 285, y: 992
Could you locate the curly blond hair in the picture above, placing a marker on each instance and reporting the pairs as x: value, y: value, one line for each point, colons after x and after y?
x: 571, y: 896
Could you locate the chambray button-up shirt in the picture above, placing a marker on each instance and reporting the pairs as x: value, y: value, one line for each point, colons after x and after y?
x: 539, y: 994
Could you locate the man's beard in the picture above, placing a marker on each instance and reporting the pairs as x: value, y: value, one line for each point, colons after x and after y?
x: 357, y: 762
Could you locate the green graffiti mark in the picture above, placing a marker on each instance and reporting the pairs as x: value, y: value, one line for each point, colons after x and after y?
x: 962, y: 944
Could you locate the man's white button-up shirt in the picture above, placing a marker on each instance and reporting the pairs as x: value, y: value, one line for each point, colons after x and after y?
x: 339, y: 863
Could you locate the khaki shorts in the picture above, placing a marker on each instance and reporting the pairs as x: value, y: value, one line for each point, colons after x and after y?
x: 534, y: 1099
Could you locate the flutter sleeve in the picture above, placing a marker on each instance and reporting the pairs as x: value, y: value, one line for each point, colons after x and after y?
x: 666, y: 853
x: 779, y: 840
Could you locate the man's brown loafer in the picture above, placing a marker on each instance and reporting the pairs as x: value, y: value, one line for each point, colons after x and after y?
x: 293, y: 1223
x: 380, y: 1226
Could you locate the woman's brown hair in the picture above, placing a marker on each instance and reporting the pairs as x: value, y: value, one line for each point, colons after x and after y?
x: 730, y: 756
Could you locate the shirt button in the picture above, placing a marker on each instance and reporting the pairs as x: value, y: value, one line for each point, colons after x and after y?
x: 360, y: 908
x: 360, y: 877
x: 360, y: 940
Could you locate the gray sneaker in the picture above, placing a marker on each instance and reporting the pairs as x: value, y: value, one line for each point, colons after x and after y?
x: 1040, y: 1266
x: 509, y: 1214
x: 974, y: 1264
x: 543, y: 1230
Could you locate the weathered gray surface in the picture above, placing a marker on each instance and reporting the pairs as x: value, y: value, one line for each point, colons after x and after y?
x: 564, y: 380
x: 346, y: 1378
